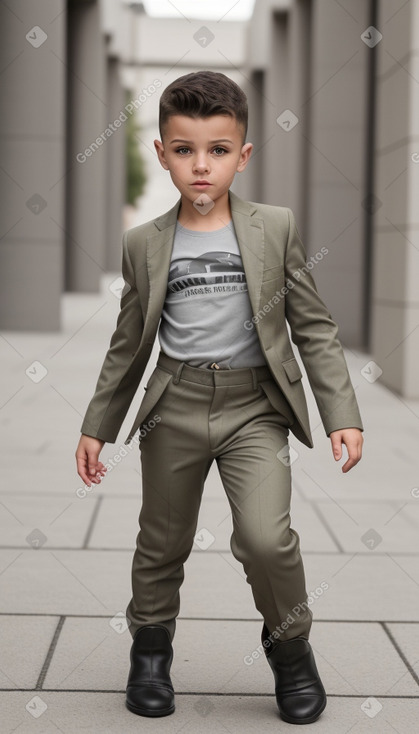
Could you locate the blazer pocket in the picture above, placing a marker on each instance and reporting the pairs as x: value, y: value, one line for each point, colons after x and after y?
x: 153, y: 391
x: 292, y: 369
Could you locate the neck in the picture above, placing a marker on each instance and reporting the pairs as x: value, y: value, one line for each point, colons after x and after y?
x: 205, y: 220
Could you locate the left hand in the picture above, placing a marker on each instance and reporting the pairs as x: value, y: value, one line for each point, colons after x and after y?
x: 353, y: 440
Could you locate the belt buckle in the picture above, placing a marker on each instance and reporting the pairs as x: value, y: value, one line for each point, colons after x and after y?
x: 214, y: 366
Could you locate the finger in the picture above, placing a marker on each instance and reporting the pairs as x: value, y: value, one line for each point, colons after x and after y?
x: 348, y: 465
x: 93, y: 474
x: 81, y: 470
x: 353, y: 458
x: 336, y: 449
x: 92, y: 462
x: 354, y: 451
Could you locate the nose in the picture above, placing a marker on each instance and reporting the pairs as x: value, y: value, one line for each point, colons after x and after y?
x: 201, y: 162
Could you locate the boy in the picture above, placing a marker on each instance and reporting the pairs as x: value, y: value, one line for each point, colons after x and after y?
x: 223, y: 274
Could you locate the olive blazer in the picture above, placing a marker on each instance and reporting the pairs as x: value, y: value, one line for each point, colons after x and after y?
x: 281, y: 290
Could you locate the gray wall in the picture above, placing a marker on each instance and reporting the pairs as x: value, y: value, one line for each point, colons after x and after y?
x: 314, y: 64
x: 395, y: 260
x: 61, y: 219
x: 349, y: 168
x: 32, y: 189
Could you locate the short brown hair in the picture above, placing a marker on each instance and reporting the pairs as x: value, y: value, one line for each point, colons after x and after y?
x: 203, y: 94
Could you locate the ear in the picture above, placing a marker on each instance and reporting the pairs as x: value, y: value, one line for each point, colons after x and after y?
x: 245, y: 154
x: 160, y: 153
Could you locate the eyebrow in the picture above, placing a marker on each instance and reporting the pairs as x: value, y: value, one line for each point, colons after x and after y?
x: 220, y: 140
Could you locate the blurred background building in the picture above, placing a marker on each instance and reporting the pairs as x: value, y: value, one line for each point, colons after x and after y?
x: 333, y: 114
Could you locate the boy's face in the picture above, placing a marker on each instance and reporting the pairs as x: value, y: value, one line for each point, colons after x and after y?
x: 202, y: 149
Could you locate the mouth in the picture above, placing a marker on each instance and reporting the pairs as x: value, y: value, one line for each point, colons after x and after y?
x: 201, y: 184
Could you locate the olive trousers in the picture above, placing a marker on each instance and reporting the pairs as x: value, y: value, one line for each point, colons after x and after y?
x: 240, y: 418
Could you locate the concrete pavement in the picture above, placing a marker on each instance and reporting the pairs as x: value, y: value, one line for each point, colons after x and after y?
x: 65, y: 561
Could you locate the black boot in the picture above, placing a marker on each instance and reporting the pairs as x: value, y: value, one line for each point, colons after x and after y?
x: 149, y: 688
x: 299, y: 691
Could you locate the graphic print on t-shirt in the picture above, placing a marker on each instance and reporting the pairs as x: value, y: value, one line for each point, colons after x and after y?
x: 211, y: 273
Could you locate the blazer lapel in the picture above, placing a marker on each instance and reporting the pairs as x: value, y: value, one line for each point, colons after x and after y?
x: 250, y: 236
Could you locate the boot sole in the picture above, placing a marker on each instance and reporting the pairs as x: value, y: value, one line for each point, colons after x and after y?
x: 306, y: 720
x: 149, y: 712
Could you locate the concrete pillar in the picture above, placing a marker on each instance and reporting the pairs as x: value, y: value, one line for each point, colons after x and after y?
x: 337, y: 161
x: 298, y: 158
x: 395, y: 291
x: 279, y: 81
x: 87, y: 120
x: 249, y: 184
x: 274, y: 153
x: 32, y: 179
x: 115, y: 180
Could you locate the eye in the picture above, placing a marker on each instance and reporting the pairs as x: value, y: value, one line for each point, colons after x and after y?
x: 178, y: 150
x: 220, y: 148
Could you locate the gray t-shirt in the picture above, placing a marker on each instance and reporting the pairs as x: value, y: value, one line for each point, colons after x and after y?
x: 207, y: 302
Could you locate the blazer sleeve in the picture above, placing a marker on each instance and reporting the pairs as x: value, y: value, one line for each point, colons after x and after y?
x: 114, y: 392
x: 316, y: 336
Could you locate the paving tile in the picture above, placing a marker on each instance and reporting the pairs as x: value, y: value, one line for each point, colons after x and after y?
x: 117, y: 522
x: 215, y: 516
x: 46, y: 521
x: 321, y: 478
x: 90, y: 655
x: 105, y: 713
x: 317, y: 475
x: 407, y: 638
x: 355, y: 656
x: 364, y: 588
x: 116, y: 525
x: 390, y: 526
x: 64, y: 582
x: 85, y: 647
x: 313, y: 534
x: 359, y: 658
x: 25, y: 641
x: 55, y: 470
x: 93, y: 582
x: 346, y: 654
x: 357, y: 589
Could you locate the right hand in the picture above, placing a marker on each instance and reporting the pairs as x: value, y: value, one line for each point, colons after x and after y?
x: 89, y: 468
